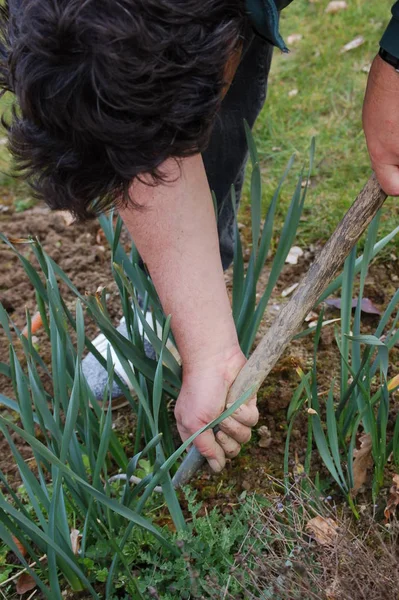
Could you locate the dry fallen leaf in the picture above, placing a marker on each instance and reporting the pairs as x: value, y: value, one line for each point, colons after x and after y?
x: 393, y: 500
x: 324, y: 530
x: 393, y: 383
x: 20, y: 546
x: 293, y: 255
x: 366, y: 305
x: 299, y: 469
x: 358, y: 41
x: 293, y: 38
x: 335, y: 6
x: 75, y: 540
x: 311, y: 411
x: 25, y: 583
x: 16, y: 241
x: 292, y: 93
x: 362, y: 462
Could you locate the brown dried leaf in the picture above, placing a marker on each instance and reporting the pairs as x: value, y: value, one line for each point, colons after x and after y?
x: 298, y: 469
x: 335, y: 6
x: 20, y: 546
x: 362, y: 462
x: 393, y: 500
x: 366, y: 305
x: 16, y: 241
x: 324, y: 530
x: 25, y: 583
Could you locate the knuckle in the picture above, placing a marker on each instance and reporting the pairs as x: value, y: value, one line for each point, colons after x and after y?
x: 206, y: 451
x: 186, y: 423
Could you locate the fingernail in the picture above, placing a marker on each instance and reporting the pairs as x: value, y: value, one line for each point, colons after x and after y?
x: 214, y: 464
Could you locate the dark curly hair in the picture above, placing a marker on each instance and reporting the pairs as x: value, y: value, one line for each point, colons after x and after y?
x: 107, y: 90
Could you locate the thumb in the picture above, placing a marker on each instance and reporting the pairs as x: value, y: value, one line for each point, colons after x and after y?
x: 388, y: 177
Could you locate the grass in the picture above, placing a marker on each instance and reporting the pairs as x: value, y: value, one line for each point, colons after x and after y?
x: 328, y: 106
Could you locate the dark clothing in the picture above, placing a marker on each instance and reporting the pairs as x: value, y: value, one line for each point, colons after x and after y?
x: 390, y: 39
x: 226, y: 155
x: 263, y: 14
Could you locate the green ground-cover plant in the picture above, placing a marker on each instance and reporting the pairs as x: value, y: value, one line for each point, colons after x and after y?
x: 264, y: 549
x: 361, y: 403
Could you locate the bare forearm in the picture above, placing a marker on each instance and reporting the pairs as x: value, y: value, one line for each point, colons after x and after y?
x: 176, y: 236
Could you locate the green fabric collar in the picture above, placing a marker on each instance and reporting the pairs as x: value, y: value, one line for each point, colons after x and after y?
x: 263, y: 15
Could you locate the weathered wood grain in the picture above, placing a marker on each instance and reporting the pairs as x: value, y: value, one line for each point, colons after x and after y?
x: 319, y: 276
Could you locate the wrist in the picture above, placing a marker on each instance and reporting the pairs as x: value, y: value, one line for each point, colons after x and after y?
x: 224, y: 364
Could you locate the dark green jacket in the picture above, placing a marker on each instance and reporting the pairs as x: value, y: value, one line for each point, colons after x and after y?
x: 264, y: 17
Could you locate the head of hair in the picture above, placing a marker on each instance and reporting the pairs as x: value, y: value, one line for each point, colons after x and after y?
x: 107, y: 90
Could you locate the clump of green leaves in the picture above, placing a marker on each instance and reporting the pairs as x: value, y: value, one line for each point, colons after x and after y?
x: 360, y: 406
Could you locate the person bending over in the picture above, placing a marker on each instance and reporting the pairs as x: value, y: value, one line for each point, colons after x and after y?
x: 139, y: 105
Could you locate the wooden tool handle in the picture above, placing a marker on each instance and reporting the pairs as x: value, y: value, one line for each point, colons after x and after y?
x: 316, y: 280
x: 286, y: 324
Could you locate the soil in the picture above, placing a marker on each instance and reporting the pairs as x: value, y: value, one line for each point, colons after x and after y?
x: 82, y: 252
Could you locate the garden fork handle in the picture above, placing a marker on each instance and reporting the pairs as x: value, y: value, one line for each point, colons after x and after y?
x: 291, y: 316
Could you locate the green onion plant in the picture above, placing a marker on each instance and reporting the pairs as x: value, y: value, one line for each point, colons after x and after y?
x: 358, y: 401
x: 69, y: 432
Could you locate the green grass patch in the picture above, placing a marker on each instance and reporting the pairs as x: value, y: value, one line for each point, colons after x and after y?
x: 328, y: 104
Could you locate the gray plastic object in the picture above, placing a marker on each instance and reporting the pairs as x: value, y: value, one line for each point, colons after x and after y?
x: 97, y: 376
